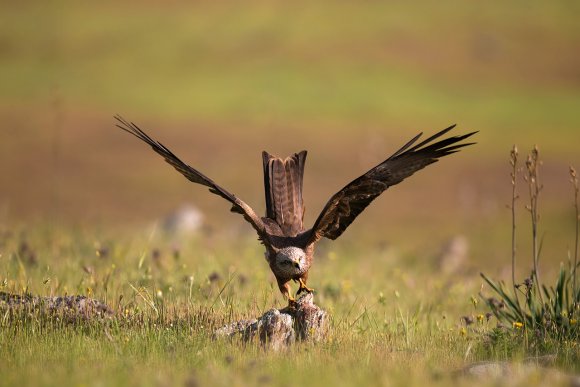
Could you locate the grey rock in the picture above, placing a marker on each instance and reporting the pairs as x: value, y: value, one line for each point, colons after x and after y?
x: 70, y: 306
x: 278, y: 329
x: 453, y: 255
x: 504, y: 371
x: 185, y: 220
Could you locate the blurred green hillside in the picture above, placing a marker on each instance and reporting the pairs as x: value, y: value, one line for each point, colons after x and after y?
x: 349, y: 81
x: 509, y: 69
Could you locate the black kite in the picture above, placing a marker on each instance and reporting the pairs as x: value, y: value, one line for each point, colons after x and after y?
x: 289, y: 247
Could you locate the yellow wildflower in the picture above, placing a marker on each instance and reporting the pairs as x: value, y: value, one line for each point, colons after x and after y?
x: 474, y: 301
x: 518, y: 324
x: 480, y: 318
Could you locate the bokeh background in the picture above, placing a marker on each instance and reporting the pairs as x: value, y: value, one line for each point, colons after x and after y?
x: 218, y: 82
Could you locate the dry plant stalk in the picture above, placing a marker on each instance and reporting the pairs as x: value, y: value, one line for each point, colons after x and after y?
x: 532, y: 178
x: 574, y: 180
x: 514, y: 164
x: 547, y: 313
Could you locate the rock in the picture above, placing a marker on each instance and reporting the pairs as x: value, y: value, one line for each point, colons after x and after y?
x: 488, y: 369
x: 310, y: 321
x: 278, y: 329
x: 183, y: 221
x: 70, y: 306
x: 514, y: 373
x: 274, y: 329
x: 453, y: 255
x: 543, y: 361
x: 233, y: 328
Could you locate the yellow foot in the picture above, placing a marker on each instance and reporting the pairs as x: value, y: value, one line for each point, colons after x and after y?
x: 303, y: 288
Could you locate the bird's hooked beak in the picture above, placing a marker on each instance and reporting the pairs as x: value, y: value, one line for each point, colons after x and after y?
x: 296, y: 264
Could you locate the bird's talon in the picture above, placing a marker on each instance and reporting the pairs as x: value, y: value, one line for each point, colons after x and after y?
x: 304, y: 288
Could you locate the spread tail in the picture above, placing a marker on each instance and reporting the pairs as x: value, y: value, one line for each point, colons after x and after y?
x: 283, y: 186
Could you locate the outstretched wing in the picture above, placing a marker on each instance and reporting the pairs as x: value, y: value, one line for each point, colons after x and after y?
x: 195, y: 176
x: 342, y: 209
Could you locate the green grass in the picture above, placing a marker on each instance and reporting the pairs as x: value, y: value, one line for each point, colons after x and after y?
x: 394, y: 318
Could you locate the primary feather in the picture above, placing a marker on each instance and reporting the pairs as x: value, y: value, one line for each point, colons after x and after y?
x: 195, y: 176
x: 344, y: 206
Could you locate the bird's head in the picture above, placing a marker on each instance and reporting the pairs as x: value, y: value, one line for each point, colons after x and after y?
x: 291, y: 260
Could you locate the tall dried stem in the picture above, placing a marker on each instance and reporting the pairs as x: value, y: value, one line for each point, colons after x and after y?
x: 514, y: 164
x: 532, y: 177
x: 574, y: 180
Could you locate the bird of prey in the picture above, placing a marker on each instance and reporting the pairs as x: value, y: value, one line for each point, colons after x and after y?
x: 289, y: 246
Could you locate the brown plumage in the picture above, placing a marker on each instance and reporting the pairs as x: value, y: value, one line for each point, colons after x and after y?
x: 283, y: 188
x: 289, y: 247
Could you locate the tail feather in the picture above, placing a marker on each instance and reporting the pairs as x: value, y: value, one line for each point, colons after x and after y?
x: 283, y: 188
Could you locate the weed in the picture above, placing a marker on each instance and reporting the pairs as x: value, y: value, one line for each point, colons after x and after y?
x: 549, y: 314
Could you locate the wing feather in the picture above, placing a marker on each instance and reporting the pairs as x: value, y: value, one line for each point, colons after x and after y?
x: 193, y: 175
x: 344, y: 206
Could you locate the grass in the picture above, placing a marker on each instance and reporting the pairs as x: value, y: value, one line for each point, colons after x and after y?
x: 404, y: 319
x: 171, y: 341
